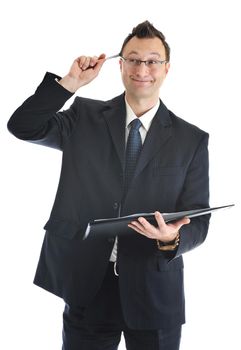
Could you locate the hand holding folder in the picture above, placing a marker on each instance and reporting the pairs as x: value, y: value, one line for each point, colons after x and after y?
x: 119, y: 226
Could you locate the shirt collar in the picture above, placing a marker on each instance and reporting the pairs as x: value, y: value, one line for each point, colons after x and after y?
x: 146, y: 118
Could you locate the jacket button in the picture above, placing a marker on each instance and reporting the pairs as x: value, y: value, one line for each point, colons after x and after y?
x: 115, y: 205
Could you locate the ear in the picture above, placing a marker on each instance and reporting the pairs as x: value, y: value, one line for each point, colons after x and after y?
x: 121, y: 64
x: 167, y: 67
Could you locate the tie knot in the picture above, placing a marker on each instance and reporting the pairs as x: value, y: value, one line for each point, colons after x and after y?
x: 135, y: 124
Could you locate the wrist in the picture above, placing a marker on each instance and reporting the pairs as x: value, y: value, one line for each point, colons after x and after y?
x: 69, y: 83
x: 171, y: 245
x: 170, y: 239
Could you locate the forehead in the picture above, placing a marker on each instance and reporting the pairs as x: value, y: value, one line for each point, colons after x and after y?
x: 144, y: 46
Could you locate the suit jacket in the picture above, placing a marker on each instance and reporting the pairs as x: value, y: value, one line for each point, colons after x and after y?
x: 171, y: 175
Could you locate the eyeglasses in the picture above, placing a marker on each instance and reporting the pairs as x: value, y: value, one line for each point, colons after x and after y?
x: 134, y: 62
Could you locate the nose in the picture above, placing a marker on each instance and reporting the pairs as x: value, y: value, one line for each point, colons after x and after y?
x: 142, y: 69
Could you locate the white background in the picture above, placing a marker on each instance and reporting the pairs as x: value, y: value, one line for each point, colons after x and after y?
x: 203, y: 87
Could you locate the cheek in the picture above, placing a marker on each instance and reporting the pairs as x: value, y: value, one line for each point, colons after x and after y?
x: 159, y: 78
x: 125, y: 75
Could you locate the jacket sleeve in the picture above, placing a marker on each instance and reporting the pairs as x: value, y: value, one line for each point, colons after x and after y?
x: 195, y: 194
x: 37, y: 120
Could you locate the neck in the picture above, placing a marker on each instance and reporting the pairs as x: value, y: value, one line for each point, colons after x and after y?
x: 141, y: 106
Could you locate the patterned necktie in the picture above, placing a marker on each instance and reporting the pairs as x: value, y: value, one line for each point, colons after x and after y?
x: 133, y: 149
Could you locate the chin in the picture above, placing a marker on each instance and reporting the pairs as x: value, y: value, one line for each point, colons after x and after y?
x: 143, y: 95
x: 144, y: 91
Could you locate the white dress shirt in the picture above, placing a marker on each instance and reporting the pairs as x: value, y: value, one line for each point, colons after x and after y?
x: 146, y: 120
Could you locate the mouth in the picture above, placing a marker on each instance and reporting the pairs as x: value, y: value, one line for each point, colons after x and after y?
x: 141, y: 81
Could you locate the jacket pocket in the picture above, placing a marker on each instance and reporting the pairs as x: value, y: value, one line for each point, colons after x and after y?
x: 63, y: 228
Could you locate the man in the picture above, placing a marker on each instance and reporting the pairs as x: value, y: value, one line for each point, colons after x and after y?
x: 133, y: 284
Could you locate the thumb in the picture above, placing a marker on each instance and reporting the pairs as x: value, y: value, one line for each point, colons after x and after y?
x: 101, y: 60
x: 102, y: 56
x: 184, y: 221
x: 99, y: 63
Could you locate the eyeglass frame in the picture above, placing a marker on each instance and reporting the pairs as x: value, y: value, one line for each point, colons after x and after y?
x: 139, y: 62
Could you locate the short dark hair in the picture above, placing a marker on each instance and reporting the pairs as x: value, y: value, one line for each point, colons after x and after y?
x: 147, y: 30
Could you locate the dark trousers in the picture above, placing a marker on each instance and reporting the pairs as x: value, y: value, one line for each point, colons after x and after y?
x: 99, y: 326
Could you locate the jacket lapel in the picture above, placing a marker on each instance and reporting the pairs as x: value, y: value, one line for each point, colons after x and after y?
x: 157, y: 136
x: 115, y: 116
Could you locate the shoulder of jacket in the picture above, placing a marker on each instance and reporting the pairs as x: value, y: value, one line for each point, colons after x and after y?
x: 98, y: 103
x: 183, y: 124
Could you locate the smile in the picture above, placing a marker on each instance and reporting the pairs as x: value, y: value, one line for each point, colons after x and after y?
x: 141, y: 81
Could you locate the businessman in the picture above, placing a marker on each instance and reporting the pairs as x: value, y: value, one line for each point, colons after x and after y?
x: 127, y: 155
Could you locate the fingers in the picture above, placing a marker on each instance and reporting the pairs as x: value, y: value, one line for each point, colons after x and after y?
x: 144, y: 227
x: 86, y: 62
x: 165, y: 232
x: 160, y: 221
x: 178, y: 224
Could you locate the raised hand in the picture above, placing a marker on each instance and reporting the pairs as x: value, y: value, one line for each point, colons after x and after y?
x: 83, y: 70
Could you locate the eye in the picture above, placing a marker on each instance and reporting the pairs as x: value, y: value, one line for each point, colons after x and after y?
x: 134, y: 61
x: 151, y: 62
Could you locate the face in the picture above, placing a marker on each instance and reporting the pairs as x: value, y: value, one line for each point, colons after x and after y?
x: 141, y: 81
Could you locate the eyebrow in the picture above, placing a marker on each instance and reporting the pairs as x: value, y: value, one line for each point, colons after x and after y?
x: 151, y: 53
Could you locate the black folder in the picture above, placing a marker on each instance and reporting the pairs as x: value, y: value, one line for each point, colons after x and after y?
x: 119, y: 226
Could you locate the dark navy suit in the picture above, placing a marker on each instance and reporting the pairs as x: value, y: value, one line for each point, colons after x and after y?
x: 171, y: 175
